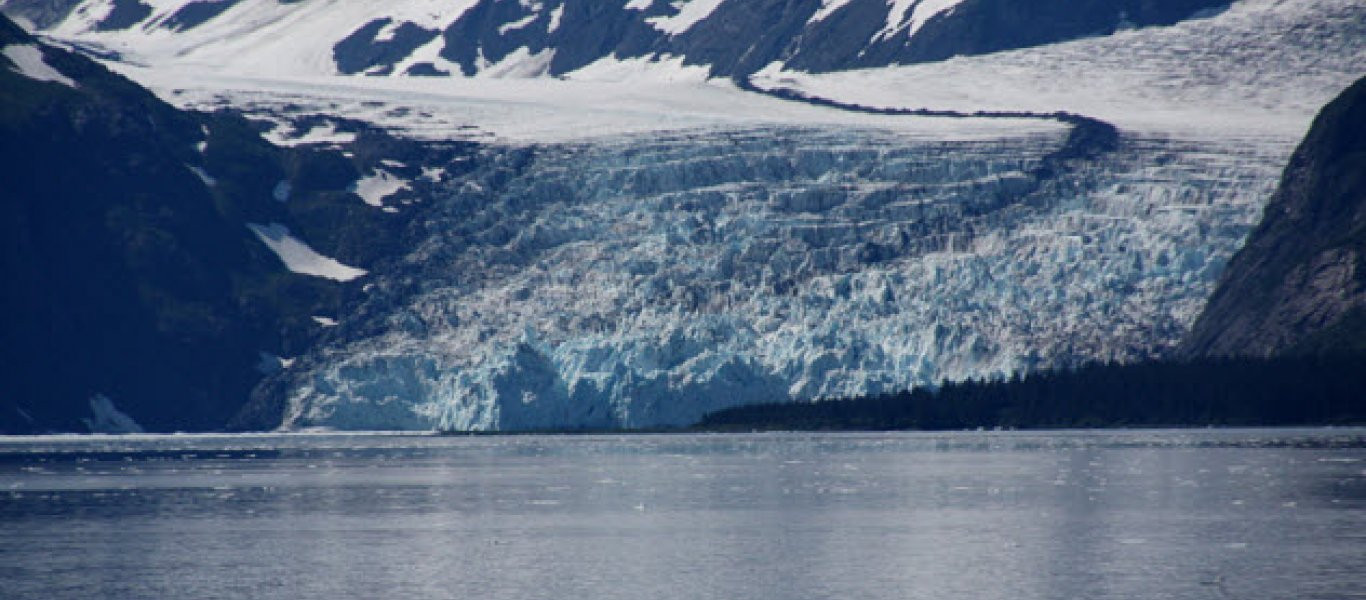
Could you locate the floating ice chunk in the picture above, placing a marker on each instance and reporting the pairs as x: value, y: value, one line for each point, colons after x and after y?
x: 106, y: 418
x: 298, y: 257
x: 375, y: 188
x: 28, y: 61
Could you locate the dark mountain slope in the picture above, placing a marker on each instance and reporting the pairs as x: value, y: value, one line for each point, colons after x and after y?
x: 129, y: 269
x: 1299, y: 284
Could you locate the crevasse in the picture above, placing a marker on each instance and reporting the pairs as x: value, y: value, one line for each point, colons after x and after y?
x: 643, y: 282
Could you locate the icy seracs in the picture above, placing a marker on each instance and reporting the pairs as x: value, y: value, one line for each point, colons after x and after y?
x: 645, y: 281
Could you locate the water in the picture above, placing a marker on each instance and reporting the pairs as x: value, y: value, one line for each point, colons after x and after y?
x: 1149, y: 514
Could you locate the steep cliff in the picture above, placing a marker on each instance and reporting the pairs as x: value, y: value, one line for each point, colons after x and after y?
x: 1299, y: 284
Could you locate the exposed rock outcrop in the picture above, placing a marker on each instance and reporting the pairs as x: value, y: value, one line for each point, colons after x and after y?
x: 1299, y: 284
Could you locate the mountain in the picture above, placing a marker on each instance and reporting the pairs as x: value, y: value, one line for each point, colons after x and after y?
x: 556, y: 37
x: 143, y: 249
x: 519, y: 215
x: 1299, y: 283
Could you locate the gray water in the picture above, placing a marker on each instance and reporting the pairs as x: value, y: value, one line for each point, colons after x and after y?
x: 1059, y: 515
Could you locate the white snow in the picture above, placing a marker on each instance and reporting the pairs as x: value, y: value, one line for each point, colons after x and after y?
x: 298, y: 257
x: 920, y: 12
x: 326, y: 133
x: 690, y: 13
x: 262, y: 37
x: 607, y: 99
x: 107, y: 418
x: 269, y: 363
x: 828, y: 7
x: 374, y: 188
x: 388, y: 32
x: 203, y: 175
x: 555, y: 16
x: 642, y: 70
x: 521, y: 63
x: 28, y: 61
x: 518, y: 24
x: 1260, y: 69
x: 429, y: 53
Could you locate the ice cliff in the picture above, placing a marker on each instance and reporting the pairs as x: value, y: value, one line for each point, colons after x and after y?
x: 644, y: 281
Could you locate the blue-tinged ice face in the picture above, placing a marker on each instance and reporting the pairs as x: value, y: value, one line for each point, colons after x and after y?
x: 641, y: 282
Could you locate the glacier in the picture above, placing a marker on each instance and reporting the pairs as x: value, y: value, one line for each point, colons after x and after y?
x: 644, y: 281
x: 637, y: 243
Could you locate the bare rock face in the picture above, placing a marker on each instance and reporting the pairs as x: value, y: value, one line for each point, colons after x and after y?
x: 1299, y: 284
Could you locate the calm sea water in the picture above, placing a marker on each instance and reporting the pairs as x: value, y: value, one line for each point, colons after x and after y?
x: 1241, y: 514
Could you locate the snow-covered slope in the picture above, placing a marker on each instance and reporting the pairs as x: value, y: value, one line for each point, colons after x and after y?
x: 1260, y: 69
x: 502, y: 38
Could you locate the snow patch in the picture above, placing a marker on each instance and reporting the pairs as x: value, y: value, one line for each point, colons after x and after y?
x: 375, y: 188
x: 28, y: 61
x: 269, y: 364
x: 691, y: 13
x: 203, y: 175
x: 657, y: 69
x: 518, y: 24
x: 107, y: 418
x: 555, y: 16
x: 326, y: 133
x: 298, y: 257
x: 921, y: 11
x: 828, y: 7
x: 521, y: 63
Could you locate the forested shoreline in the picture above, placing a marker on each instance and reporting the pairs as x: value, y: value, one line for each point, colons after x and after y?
x: 1312, y: 390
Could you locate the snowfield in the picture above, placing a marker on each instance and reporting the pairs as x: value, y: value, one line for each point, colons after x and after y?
x: 1261, y: 69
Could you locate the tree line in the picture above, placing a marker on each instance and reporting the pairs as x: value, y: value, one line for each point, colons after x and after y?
x: 1307, y: 390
